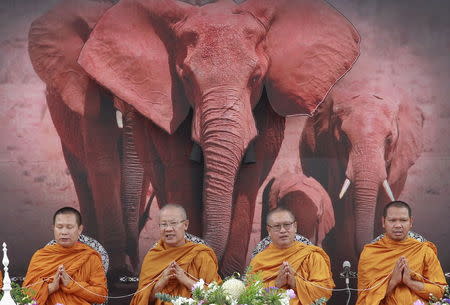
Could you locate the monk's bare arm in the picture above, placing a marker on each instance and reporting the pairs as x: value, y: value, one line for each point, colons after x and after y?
x: 94, y: 289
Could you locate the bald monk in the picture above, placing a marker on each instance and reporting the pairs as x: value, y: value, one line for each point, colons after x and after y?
x: 287, y: 263
x: 398, y: 269
x: 68, y: 272
x: 174, y: 264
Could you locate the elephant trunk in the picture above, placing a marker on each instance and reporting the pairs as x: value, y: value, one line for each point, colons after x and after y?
x: 368, y: 174
x: 132, y: 182
x: 224, y: 136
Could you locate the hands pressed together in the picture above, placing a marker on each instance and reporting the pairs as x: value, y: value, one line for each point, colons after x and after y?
x: 60, y: 277
x: 402, y: 275
x: 286, y: 276
x: 173, y: 271
x: 401, y: 272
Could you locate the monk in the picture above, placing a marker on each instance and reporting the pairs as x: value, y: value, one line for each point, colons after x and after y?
x: 290, y: 264
x: 174, y: 264
x: 68, y: 272
x: 398, y: 269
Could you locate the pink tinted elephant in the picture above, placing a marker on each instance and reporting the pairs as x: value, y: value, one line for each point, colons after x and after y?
x: 96, y: 151
x: 307, y: 200
x: 196, y: 74
x: 359, y: 146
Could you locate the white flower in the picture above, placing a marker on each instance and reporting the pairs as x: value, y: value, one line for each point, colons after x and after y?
x: 182, y: 300
x: 233, y: 287
x: 284, y: 300
x: 200, y: 285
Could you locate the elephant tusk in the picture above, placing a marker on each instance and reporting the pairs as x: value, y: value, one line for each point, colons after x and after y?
x: 119, y: 119
x: 388, y: 190
x: 344, y: 188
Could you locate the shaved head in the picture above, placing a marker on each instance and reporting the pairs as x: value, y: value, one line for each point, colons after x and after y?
x: 174, y: 206
x: 279, y: 210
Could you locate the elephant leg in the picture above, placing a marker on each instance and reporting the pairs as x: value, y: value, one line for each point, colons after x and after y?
x: 305, y: 212
x: 173, y: 176
x: 103, y: 163
x: 68, y: 126
x: 83, y: 190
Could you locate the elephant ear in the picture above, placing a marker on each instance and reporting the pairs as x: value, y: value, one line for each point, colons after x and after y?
x: 310, y: 46
x: 54, y: 44
x: 409, y: 144
x: 126, y: 54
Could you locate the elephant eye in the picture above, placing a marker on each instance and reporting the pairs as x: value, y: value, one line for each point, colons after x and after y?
x: 389, y: 140
x: 255, y: 78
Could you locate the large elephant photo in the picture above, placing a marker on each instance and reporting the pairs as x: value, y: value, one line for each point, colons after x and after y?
x: 212, y: 81
x: 360, y: 146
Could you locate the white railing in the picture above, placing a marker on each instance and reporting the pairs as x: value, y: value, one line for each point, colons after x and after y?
x: 6, y: 299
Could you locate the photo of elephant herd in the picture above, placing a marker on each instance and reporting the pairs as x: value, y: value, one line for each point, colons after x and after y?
x: 229, y: 109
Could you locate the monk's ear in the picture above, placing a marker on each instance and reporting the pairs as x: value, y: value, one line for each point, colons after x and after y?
x: 382, y: 222
x: 186, y: 224
x: 80, y: 229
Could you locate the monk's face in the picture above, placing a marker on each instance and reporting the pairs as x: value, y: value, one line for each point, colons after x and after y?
x: 282, y: 229
x: 397, y: 223
x: 172, y: 226
x: 66, y: 230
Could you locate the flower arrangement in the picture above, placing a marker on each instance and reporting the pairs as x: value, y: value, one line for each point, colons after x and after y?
x: 20, y: 295
x: 445, y: 300
x: 234, y: 291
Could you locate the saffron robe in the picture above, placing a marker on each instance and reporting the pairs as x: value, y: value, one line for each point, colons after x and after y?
x: 378, y: 260
x: 310, y: 263
x: 197, y: 260
x: 81, y: 262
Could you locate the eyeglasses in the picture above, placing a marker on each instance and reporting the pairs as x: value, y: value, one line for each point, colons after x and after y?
x: 171, y: 224
x: 286, y: 226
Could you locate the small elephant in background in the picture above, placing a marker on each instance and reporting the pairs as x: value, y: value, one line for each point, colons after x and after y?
x: 360, y: 146
x: 307, y: 200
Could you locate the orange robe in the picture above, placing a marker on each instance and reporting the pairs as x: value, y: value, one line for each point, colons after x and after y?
x: 81, y: 262
x: 1, y: 280
x: 377, y: 261
x: 309, y: 262
x: 196, y: 259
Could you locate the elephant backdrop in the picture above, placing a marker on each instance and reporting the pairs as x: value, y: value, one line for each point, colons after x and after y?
x: 216, y: 59
x: 407, y: 38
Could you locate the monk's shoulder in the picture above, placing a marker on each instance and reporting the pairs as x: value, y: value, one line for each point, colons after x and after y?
x: 370, y: 250
x: 152, y: 253
x: 44, y: 251
x: 204, y: 251
x: 261, y: 256
x: 430, y: 248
